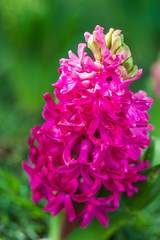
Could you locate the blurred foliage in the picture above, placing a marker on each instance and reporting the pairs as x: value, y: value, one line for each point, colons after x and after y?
x: 20, y: 218
x: 34, y: 35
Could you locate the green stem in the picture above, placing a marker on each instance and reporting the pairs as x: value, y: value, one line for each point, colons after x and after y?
x: 55, y: 226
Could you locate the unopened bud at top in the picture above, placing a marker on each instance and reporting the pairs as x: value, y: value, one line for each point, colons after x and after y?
x: 99, y: 43
x: 94, y: 48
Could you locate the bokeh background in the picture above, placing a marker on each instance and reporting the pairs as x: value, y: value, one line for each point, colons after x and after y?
x: 34, y: 35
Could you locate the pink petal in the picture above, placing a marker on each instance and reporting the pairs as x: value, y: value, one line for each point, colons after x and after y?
x: 102, y: 217
x: 69, y: 208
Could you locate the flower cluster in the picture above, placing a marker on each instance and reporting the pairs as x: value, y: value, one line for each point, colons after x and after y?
x: 87, y: 152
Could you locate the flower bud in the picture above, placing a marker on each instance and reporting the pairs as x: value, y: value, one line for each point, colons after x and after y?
x: 124, y: 49
x: 128, y: 63
x: 123, y: 71
x: 114, y: 40
x: 117, y: 40
x: 108, y: 38
x: 133, y: 72
x: 94, y: 48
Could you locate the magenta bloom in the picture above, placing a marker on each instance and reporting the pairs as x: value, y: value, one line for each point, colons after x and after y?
x: 155, y: 73
x: 89, y: 147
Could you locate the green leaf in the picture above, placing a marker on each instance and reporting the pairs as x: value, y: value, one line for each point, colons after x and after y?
x: 156, y: 159
x: 9, y: 182
x: 152, y: 153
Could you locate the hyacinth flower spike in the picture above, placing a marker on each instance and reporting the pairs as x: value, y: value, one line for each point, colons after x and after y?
x: 92, y: 139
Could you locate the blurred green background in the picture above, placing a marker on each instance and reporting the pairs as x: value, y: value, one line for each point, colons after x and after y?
x: 34, y: 35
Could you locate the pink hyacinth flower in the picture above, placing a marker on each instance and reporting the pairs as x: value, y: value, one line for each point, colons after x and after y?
x: 92, y: 139
x: 155, y: 73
